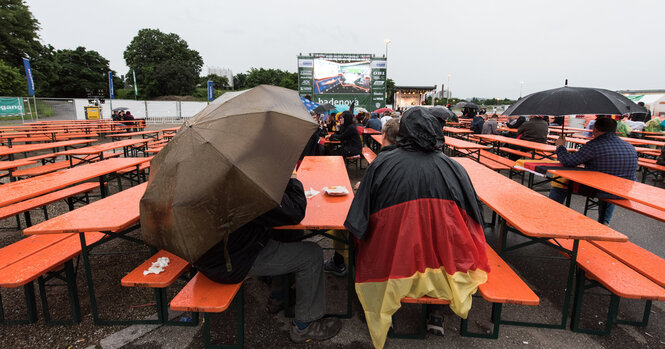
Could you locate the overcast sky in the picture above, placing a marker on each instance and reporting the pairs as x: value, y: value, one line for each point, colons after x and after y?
x: 488, y: 46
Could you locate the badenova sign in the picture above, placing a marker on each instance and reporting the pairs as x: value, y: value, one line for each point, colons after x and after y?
x: 11, y: 106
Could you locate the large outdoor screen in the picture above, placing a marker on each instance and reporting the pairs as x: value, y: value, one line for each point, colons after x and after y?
x: 332, y: 76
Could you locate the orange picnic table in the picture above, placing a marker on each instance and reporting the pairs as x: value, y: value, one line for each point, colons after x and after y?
x: 545, y: 149
x: 28, y: 188
x: 326, y: 212
x: 143, y: 134
x: 323, y: 211
x: 10, y: 166
x: 639, y: 192
x: 638, y: 141
x: 115, y: 216
x: 537, y: 218
x: 471, y: 148
x: 5, y: 151
x: 97, y: 151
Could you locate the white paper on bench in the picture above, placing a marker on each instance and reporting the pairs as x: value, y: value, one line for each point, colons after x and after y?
x: 158, y: 267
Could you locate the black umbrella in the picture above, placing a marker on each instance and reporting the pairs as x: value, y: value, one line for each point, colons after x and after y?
x: 467, y: 105
x: 574, y: 100
x: 324, y: 108
x: 120, y: 108
x: 442, y: 114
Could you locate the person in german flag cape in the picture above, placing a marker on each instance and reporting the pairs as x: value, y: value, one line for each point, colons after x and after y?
x: 419, y: 225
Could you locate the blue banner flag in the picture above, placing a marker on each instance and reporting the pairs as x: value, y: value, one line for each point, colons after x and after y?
x: 28, y: 75
x: 308, y: 104
x: 210, y: 97
x: 111, y: 94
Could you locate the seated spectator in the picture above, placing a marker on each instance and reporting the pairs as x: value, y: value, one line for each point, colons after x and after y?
x: 374, y: 122
x: 607, y: 153
x: 490, y: 127
x: 412, y: 214
x: 251, y: 252
x: 654, y: 125
x: 515, y: 121
x: 128, y: 115
x: 534, y: 130
x: 623, y: 130
x: 477, y: 124
x: 386, y: 116
x: 348, y: 136
x: 634, y: 124
x: 115, y: 116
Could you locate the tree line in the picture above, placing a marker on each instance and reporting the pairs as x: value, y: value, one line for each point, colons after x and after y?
x: 164, y: 64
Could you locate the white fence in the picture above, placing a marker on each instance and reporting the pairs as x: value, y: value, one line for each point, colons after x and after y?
x: 157, y: 112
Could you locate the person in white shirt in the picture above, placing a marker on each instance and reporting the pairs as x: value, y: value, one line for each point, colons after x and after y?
x: 385, y: 118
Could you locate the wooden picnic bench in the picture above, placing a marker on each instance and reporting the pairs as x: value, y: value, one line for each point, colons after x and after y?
x: 43, y: 258
x: 204, y: 295
x: 633, y: 279
x: 68, y: 194
x: 57, y: 166
x: 503, y: 286
x: 368, y: 155
x: 159, y: 282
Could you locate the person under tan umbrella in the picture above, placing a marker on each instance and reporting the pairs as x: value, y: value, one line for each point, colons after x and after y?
x: 220, y: 186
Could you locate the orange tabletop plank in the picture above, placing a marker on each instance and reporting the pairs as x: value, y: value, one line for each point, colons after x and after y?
x: 625, y: 188
x: 35, y: 186
x: 371, y: 131
x: 637, y: 141
x: 460, y: 144
x: 456, y: 130
x: 138, y: 133
x: 658, y: 138
x: 8, y: 165
x: 42, y: 146
x: 120, y: 211
x: 507, y: 129
x: 522, y: 143
x: 531, y: 213
x: 100, y: 148
x: 324, y: 211
x: 377, y: 138
x: 170, y: 129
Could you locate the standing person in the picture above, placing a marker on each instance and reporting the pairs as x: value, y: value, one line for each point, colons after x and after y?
x: 534, y: 130
x: 490, y: 127
x: 647, y: 116
x: 348, y: 136
x: 419, y: 233
x: 606, y: 153
x: 252, y: 252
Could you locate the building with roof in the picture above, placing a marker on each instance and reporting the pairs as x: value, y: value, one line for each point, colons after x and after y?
x: 408, y: 96
x: 654, y: 100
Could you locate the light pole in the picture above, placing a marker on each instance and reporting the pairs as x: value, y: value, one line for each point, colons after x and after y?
x: 448, y: 94
x: 521, y: 85
x: 387, y: 41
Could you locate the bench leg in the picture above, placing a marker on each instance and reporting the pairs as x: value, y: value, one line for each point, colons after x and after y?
x: 72, y: 293
x: 45, y: 213
x: 422, y: 327
x: 239, y: 302
x: 18, y: 221
x: 28, y: 221
x: 30, y: 304
x: 577, y: 308
x: 645, y: 317
x: 496, y: 319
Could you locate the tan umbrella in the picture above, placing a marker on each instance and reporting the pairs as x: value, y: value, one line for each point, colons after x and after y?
x: 229, y: 164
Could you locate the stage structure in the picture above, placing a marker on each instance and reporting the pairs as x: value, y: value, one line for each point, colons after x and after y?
x: 339, y: 78
x: 408, y: 96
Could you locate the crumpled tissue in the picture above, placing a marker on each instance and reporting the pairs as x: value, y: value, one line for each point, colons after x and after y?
x: 158, y: 267
x: 311, y: 193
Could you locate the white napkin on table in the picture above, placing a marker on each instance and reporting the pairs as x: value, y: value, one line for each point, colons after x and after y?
x: 311, y: 193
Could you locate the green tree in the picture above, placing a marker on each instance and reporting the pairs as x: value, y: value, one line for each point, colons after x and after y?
x: 239, y: 81
x: 277, y: 77
x: 12, y: 82
x: 219, y: 82
x: 18, y: 32
x: 164, y: 64
x: 80, y: 71
x: 390, y: 90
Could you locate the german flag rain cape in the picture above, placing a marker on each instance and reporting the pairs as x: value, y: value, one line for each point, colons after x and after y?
x: 419, y: 223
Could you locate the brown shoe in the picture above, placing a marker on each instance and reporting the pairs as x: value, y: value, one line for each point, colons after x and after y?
x: 318, y: 330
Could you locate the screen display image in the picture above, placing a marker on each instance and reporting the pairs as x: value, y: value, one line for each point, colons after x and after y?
x: 332, y: 76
